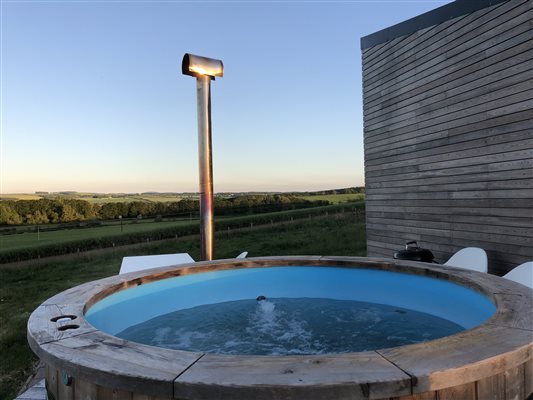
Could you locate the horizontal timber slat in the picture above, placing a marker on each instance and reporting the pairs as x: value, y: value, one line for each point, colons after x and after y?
x: 446, y: 60
x: 457, y: 69
x: 524, y: 212
x: 467, y: 189
x: 408, y: 42
x: 427, y: 146
x: 514, y: 169
x: 406, y: 52
x: 448, y: 137
x: 401, y: 181
x: 456, y: 148
x: 450, y: 104
x: 453, y: 218
x: 381, y: 48
x: 482, y: 45
x: 472, y: 89
x: 482, y: 118
x: 467, y: 160
x: 524, y: 232
x: 449, y: 233
x: 423, y: 39
x: 497, y: 207
x: 466, y: 30
x: 492, y: 70
x: 422, y: 138
x: 515, y: 102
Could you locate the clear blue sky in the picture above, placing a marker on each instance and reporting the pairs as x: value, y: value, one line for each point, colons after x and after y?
x: 93, y: 98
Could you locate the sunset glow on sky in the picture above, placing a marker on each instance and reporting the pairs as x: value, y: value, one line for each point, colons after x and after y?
x: 93, y: 98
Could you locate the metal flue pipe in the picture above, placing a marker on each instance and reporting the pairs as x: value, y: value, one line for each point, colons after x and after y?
x: 204, y: 69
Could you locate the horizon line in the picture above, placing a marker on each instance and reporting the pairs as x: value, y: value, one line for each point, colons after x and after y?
x: 44, y: 192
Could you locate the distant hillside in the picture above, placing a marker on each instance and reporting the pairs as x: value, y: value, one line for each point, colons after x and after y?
x: 350, y: 190
x: 161, y: 197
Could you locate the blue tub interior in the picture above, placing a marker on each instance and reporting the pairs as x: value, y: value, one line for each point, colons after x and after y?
x: 441, y: 298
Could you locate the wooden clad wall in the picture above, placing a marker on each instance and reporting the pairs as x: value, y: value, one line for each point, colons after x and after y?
x: 448, y: 128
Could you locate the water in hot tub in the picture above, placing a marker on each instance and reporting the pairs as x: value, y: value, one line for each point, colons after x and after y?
x: 283, y: 326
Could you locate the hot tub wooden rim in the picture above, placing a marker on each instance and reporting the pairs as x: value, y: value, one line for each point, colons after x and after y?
x: 112, y: 362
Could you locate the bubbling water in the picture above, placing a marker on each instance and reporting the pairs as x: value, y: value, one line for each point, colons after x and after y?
x: 285, y: 326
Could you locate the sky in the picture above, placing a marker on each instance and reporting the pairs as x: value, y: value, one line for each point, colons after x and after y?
x: 93, y: 99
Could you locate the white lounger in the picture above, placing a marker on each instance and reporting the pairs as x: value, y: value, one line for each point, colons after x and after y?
x: 522, y: 274
x: 472, y: 258
x: 140, y: 263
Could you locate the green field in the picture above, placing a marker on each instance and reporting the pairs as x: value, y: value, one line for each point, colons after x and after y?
x: 130, y: 198
x: 20, y: 196
x: 23, y: 289
x: 29, y: 240
x: 97, y: 198
x: 336, y: 198
x: 115, y: 232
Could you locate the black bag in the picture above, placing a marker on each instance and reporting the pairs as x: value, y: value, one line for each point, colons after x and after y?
x: 414, y: 253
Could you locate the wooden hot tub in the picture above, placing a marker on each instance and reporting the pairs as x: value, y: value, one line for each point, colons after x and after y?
x: 489, y: 361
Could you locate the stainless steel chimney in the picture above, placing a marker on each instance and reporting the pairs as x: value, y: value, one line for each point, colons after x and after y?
x: 204, y: 69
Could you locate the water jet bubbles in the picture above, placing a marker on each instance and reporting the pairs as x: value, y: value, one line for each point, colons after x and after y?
x: 284, y: 326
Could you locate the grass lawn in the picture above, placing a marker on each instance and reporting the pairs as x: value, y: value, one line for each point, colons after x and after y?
x: 23, y: 289
x: 28, y: 240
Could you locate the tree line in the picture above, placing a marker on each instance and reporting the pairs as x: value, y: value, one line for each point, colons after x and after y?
x: 44, y: 211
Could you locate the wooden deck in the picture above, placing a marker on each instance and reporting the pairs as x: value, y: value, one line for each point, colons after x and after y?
x: 35, y: 392
x: 491, y: 361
